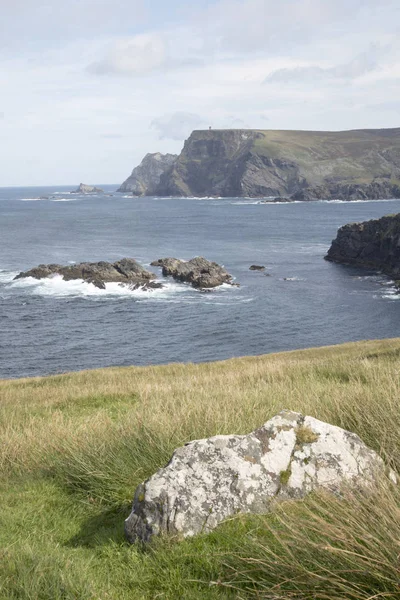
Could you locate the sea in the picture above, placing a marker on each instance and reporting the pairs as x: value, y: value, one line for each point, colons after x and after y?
x: 52, y: 326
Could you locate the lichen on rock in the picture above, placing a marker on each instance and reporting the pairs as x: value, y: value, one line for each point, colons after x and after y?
x: 210, y: 480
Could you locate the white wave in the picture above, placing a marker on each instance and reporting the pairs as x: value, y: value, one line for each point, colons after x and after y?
x: 7, y: 276
x: 356, y: 201
x: 56, y: 286
x: 188, y: 198
x: 390, y: 296
x: 60, y: 193
x: 63, y: 199
x: 294, y: 279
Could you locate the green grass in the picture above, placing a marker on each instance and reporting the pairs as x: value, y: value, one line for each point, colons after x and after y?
x: 74, y: 447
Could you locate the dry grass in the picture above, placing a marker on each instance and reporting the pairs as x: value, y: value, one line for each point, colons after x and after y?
x: 87, y: 439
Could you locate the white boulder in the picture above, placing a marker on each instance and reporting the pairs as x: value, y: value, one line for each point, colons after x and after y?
x: 207, y: 481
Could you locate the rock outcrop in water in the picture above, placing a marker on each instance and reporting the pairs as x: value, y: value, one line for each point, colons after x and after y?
x: 374, y: 244
x: 302, y: 165
x: 87, y: 189
x: 210, y: 480
x: 125, y: 271
x: 199, y: 272
x: 146, y: 177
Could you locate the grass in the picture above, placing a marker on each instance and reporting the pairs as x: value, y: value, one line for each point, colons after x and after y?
x: 74, y: 447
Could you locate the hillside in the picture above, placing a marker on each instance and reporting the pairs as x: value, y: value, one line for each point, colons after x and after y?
x: 75, y: 446
x: 314, y: 164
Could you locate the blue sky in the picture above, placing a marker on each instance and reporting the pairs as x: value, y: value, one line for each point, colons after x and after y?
x: 88, y: 87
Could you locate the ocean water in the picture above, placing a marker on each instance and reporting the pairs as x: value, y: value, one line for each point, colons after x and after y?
x: 53, y: 326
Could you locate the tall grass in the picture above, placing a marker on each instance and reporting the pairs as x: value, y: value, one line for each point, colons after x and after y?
x: 74, y: 447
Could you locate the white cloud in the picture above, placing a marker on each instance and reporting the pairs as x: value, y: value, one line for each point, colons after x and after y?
x: 177, y: 126
x: 29, y: 23
x: 200, y: 65
x: 259, y: 25
x: 136, y: 56
x: 359, y: 66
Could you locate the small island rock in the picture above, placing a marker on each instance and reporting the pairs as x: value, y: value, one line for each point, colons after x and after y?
x: 87, y: 189
x: 199, y: 272
x: 125, y: 271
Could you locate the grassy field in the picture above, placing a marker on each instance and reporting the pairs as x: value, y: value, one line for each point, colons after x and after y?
x: 355, y: 156
x: 74, y: 447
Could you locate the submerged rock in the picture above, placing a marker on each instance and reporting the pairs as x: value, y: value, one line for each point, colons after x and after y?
x: 256, y: 268
x: 199, y: 272
x: 210, y: 480
x: 126, y: 270
x: 87, y: 189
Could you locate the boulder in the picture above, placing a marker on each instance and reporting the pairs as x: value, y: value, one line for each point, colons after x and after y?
x: 127, y: 271
x: 210, y: 480
x: 199, y: 272
x: 256, y: 268
x: 87, y: 189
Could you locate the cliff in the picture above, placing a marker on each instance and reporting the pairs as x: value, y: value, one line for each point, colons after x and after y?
x: 313, y: 164
x: 374, y: 244
x: 146, y: 177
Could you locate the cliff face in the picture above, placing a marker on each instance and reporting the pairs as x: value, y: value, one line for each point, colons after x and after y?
x: 374, y: 244
x: 346, y: 165
x: 146, y: 177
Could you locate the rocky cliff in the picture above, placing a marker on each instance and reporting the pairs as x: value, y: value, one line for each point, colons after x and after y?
x: 145, y: 178
x: 374, y: 244
x: 312, y: 164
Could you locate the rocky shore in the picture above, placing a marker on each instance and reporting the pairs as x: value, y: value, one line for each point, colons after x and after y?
x: 373, y: 244
x: 198, y: 272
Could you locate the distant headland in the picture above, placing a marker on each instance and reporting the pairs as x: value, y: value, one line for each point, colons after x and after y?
x: 297, y: 165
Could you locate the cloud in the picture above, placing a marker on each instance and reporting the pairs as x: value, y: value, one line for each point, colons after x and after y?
x: 112, y: 136
x: 35, y: 21
x: 256, y: 25
x: 135, y: 56
x: 177, y: 126
x: 2, y: 115
x: 361, y: 65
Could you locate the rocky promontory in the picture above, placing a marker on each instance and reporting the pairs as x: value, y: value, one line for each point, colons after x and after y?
x: 285, y: 165
x: 373, y: 244
x: 145, y: 178
x: 126, y: 271
x: 199, y: 272
x: 87, y: 189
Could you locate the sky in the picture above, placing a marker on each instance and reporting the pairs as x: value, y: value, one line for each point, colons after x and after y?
x: 88, y: 87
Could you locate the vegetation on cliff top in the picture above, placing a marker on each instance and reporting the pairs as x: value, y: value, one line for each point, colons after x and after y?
x: 257, y: 163
x: 74, y: 447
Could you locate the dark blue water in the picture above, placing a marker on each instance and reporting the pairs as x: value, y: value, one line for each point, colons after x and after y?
x: 52, y: 326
